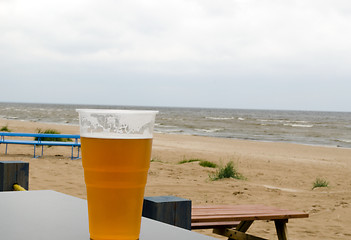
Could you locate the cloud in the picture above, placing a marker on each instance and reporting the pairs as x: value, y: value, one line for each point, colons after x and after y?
x: 197, y: 31
x: 240, y: 43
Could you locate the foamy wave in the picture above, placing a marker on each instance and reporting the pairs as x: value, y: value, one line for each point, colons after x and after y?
x: 299, y: 125
x: 241, y: 119
x: 173, y: 131
x: 281, y: 121
x: 271, y: 120
x: 164, y: 126
x: 220, y: 118
x: 344, y: 140
x: 209, y: 130
x: 303, y: 124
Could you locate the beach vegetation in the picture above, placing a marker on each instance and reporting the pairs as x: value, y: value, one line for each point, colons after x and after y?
x: 207, y: 164
x: 189, y: 161
x: 320, y: 182
x: 51, y: 131
x: 202, y: 163
x: 155, y: 159
x: 5, y: 129
x: 227, y: 171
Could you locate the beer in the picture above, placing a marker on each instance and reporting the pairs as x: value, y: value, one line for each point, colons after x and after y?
x: 115, y: 172
x: 116, y: 151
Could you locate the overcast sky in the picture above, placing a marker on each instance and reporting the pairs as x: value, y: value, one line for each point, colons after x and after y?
x: 256, y: 54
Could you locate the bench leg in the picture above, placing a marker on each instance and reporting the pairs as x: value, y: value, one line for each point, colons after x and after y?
x: 72, y: 153
x: 72, y: 157
x: 233, y: 234
x: 42, y: 151
x: 281, y: 228
x: 244, y: 226
x: 239, y: 233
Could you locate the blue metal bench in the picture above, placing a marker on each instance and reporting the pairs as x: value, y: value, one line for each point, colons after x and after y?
x: 40, y: 142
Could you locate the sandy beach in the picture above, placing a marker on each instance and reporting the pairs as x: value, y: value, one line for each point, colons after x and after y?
x: 277, y: 174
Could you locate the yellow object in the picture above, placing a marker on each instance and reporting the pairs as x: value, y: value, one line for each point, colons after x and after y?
x: 115, y: 172
x: 17, y: 187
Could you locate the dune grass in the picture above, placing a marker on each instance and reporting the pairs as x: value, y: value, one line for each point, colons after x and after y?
x: 202, y: 163
x: 227, y: 171
x: 320, y: 182
x: 155, y: 159
x: 51, y: 131
x: 208, y: 164
x: 189, y: 161
x: 5, y: 129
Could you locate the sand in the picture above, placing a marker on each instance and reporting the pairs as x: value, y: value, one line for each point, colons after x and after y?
x: 277, y: 174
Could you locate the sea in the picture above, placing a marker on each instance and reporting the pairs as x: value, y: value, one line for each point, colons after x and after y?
x: 303, y: 127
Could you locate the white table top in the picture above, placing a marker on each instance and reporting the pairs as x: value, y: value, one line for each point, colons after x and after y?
x: 50, y: 215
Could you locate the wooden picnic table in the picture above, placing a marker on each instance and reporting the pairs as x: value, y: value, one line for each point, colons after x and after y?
x: 234, y: 220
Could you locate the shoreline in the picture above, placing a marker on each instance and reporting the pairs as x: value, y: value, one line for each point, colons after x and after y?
x: 277, y: 173
x: 185, y: 134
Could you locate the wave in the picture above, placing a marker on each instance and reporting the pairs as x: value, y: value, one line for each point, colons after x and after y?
x: 299, y: 125
x: 209, y: 130
x: 290, y: 123
x: 272, y: 120
x: 220, y: 118
x: 170, y: 130
x: 343, y: 140
x: 282, y: 121
x: 161, y: 125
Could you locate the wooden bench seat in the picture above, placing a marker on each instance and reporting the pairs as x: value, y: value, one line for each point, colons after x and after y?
x: 214, y: 224
x: 222, y: 218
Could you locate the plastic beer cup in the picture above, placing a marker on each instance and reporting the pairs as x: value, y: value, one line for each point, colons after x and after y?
x: 116, y: 151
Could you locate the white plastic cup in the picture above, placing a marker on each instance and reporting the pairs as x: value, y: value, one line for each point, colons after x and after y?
x: 116, y: 152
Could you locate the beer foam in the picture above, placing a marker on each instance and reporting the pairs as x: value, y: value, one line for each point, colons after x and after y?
x: 116, y: 124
